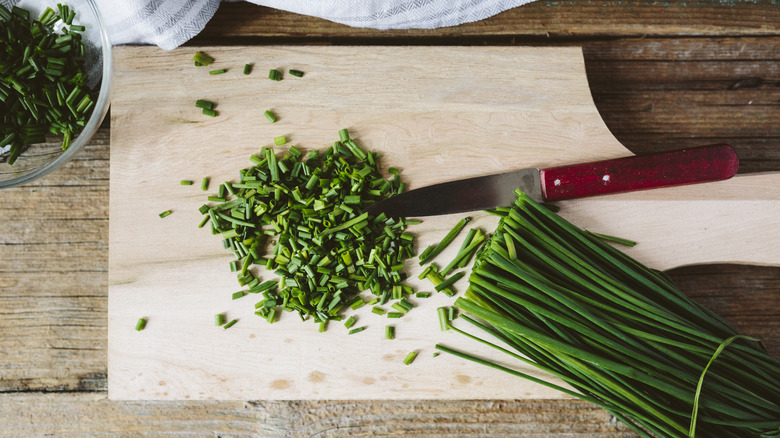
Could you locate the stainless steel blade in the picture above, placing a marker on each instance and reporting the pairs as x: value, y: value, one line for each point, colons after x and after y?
x: 479, y: 193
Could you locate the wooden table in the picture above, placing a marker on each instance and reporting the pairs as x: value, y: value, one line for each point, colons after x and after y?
x: 664, y: 75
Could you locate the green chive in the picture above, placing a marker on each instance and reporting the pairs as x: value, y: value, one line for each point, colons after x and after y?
x: 202, y: 59
x: 218, y: 72
x: 140, y: 324
x: 166, y: 213
x: 219, y: 319
x: 357, y: 330
x: 275, y: 75
x: 410, y: 357
x: 210, y: 113
x: 446, y: 241
x: 204, y: 183
x: 247, y: 69
x: 350, y: 322
x: 185, y: 182
x: 230, y: 324
x: 270, y: 116
x: 389, y: 332
x: 204, y: 104
x: 280, y: 140
x: 296, y: 73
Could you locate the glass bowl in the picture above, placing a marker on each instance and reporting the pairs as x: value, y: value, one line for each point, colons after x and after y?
x: 38, y: 160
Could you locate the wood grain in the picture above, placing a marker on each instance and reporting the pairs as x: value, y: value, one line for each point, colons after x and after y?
x: 746, y: 295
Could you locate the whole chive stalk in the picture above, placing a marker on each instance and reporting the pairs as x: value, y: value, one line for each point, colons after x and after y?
x: 619, y: 333
x: 140, y: 324
x: 445, y: 242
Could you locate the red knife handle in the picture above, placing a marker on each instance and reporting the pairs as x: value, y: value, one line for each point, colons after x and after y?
x: 688, y: 166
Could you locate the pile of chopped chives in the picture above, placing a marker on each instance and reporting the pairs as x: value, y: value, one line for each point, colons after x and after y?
x: 43, y: 81
x: 301, y: 216
x: 621, y: 335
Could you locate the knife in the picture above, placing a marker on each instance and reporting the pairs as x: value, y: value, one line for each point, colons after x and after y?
x: 688, y: 166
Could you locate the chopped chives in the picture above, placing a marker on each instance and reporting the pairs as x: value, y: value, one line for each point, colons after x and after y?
x: 444, y: 323
x: 280, y: 140
x: 270, y: 116
x: 140, y: 324
x: 204, y: 183
x: 350, y: 322
x: 239, y: 294
x: 394, y: 314
x: 247, y: 69
x: 410, y: 357
x: 275, y: 75
x: 356, y: 330
x: 204, y: 104
x: 219, y: 319
x: 296, y: 73
x: 218, y: 72
x: 389, y: 332
x: 210, y: 113
x: 202, y: 59
x: 230, y: 324
x: 166, y: 213
x: 185, y: 182
x: 422, y: 294
x: 378, y: 310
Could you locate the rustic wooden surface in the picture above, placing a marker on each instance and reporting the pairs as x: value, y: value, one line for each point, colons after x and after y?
x: 663, y: 75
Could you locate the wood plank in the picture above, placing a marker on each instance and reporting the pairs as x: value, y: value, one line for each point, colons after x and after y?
x: 537, y: 21
x: 91, y: 415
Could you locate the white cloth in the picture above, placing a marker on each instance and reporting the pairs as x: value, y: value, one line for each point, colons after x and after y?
x: 170, y: 23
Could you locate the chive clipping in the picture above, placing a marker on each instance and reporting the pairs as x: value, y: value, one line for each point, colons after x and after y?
x: 204, y: 185
x: 621, y: 335
x: 230, y: 324
x: 186, y: 182
x: 410, y: 357
x: 274, y: 75
x: 140, y: 324
x: 204, y: 104
x: 218, y: 72
x: 296, y: 73
x: 247, y: 69
x: 210, y: 113
x: 219, y: 319
x: 389, y: 332
x: 357, y: 330
x: 280, y: 140
x: 165, y: 213
x: 202, y: 59
x: 299, y: 215
x: 43, y: 80
x: 270, y: 116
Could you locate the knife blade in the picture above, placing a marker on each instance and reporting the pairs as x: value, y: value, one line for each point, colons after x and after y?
x: 640, y: 172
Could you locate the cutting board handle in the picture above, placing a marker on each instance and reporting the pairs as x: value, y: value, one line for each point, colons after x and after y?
x: 688, y: 166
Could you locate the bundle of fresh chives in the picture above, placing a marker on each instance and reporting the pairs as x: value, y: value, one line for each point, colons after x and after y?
x: 301, y: 216
x: 620, y: 334
x: 43, y: 81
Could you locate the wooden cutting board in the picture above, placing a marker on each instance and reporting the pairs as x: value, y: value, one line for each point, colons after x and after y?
x: 437, y: 114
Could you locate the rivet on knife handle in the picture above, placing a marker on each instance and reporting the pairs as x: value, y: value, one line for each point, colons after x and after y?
x: 688, y: 166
